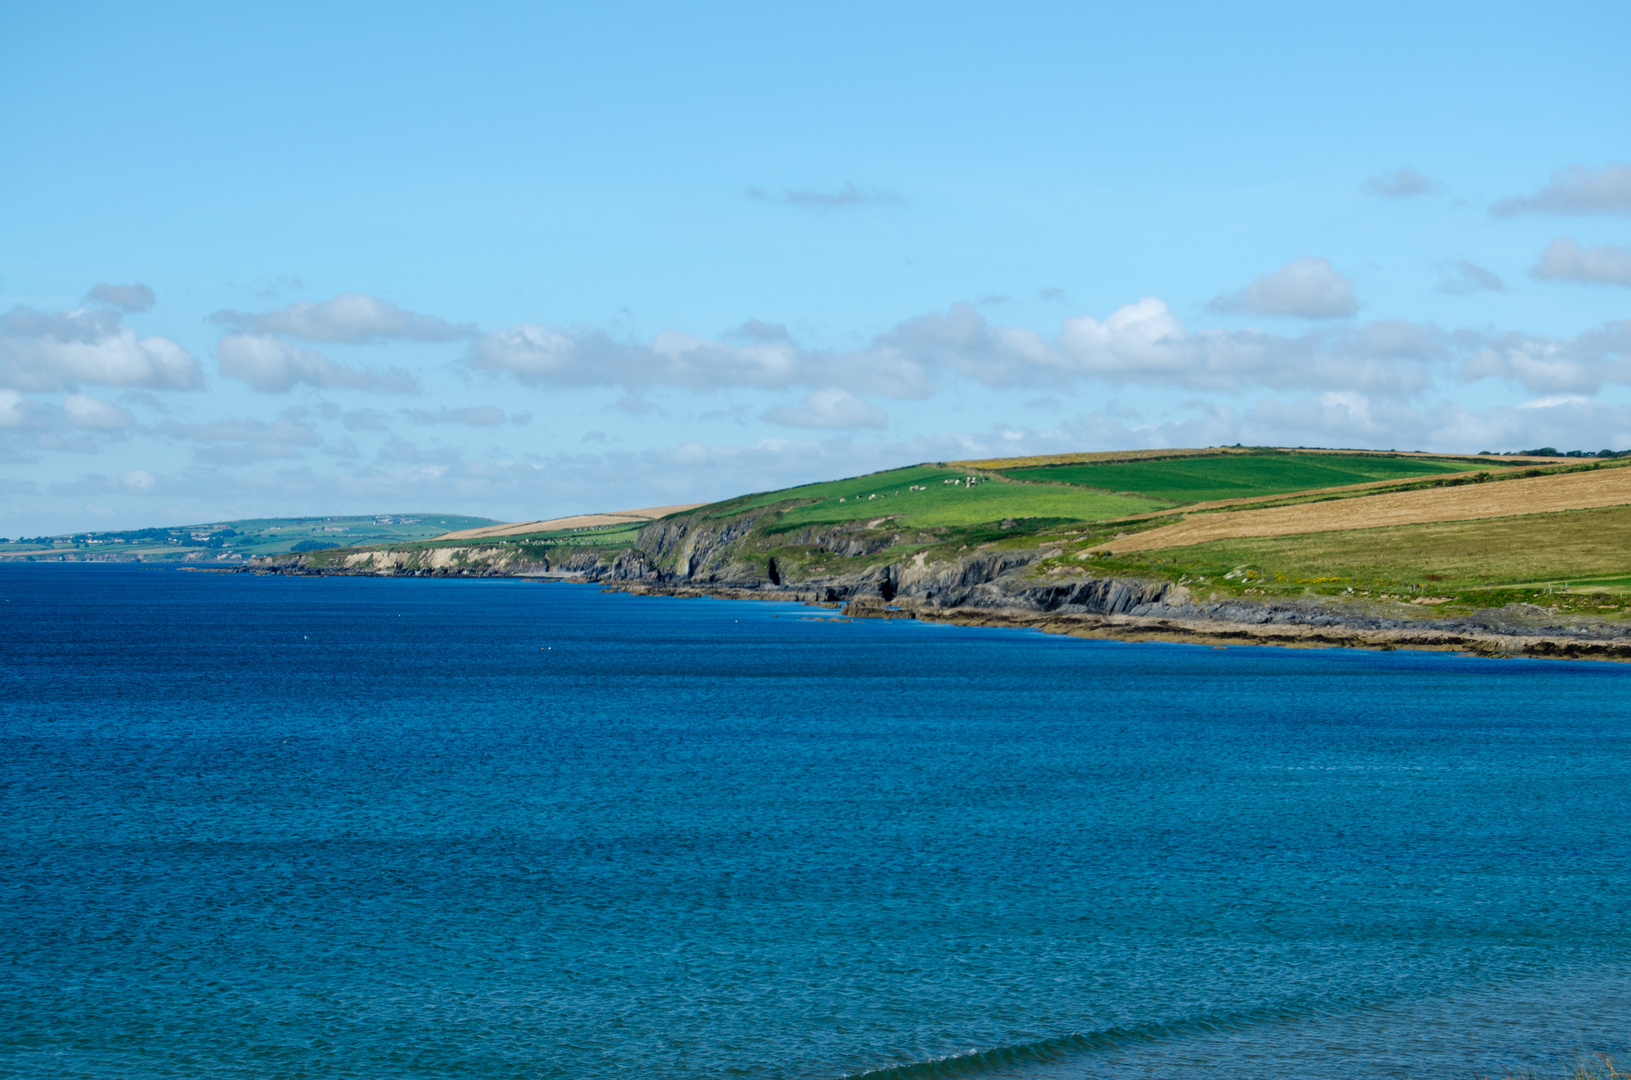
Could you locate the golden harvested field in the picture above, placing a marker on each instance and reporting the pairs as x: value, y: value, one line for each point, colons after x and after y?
x: 1609, y: 486
x: 582, y: 521
x: 1093, y: 457
x: 1258, y: 500
x: 1578, y: 547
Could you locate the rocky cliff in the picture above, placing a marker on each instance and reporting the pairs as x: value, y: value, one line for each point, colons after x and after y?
x: 877, y: 569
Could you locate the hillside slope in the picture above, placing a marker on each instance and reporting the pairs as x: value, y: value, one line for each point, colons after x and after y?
x: 967, y: 543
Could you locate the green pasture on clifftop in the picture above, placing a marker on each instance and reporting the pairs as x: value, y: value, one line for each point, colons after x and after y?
x: 925, y: 496
x: 1234, y: 476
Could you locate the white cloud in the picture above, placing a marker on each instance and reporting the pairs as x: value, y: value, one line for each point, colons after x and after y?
x: 350, y: 318
x: 71, y: 444
x: 1565, y: 260
x: 1146, y: 343
x: 1576, y: 190
x: 135, y: 297
x: 45, y: 351
x: 829, y: 409
x: 1400, y: 183
x: 272, y: 365
x: 898, y: 364
x: 1567, y: 424
x: 1459, y: 277
x: 18, y: 413
x: 1351, y: 420
x: 469, y: 416
x: 1141, y: 343
x: 84, y: 411
x: 839, y: 198
x: 762, y: 358
x: 283, y: 432
x: 1554, y: 401
x: 138, y: 481
x: 1333, y: 418
x: 131, y: 482
x: 1371, y: 384
x: 366, y: 420
x: 964, y: 342
x: 1308, y: 287
x: 1548, y: 365
x: 404, y: 475
x: 1145, y: 338
x: 235, y: 442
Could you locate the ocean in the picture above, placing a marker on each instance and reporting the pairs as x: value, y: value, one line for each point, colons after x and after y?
x: 258, y: 827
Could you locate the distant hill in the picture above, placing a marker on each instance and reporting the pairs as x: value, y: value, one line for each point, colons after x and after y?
x: 235, y: 541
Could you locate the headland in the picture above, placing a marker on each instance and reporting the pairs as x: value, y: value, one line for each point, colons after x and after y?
x: 1503, y: 555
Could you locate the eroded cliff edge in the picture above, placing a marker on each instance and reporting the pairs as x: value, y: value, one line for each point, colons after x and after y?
x: 1028, y: 579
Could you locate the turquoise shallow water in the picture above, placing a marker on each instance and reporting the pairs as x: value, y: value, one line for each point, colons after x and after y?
x: 267, y: 827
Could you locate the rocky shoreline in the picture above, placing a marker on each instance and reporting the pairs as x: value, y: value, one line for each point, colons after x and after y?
x: 1495, y: 633
x: 997, y: 588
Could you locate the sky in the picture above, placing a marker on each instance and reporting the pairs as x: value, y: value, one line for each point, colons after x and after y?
x: 523, y: 261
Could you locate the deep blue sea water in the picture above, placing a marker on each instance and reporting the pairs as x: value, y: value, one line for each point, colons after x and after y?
x: 270, y: 827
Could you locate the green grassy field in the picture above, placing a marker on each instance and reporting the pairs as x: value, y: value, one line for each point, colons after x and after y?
x: 937, y: 495
x: 1201, y: 479
x: 922, y: 496
x: 1576, y: 552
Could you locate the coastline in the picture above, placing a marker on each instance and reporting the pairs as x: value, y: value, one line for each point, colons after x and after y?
x: 998, y: 586
x: 1461, y: 636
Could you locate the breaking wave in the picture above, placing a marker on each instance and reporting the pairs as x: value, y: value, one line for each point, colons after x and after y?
x: 1063, y: 1047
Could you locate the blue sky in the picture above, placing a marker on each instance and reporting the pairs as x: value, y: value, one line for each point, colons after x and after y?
x: 522, y: 261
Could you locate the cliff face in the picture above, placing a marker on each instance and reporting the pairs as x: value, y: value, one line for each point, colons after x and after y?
x: 453, y: 561
x: 1003, y: 587
x: 684, y: 555
x: 879, y: 569
x: 697, y: 549
x: 733, y: 555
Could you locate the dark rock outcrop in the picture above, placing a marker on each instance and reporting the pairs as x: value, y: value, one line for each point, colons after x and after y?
x: 992, y: 585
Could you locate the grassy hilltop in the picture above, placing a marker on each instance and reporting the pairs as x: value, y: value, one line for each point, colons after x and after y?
x: 1445, y: 532
x: 1520, y: 551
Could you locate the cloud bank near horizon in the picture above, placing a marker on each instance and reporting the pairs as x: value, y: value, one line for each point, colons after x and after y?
x: 350, y: 318
x: 958, y: 382
x: 280, y: 461
x: 1141, y: 344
